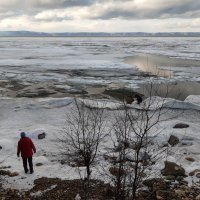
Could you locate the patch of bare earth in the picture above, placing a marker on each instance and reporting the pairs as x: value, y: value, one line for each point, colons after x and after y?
x: 54, y: 188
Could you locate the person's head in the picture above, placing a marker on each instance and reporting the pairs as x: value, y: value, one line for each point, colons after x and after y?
x: 23, y: 134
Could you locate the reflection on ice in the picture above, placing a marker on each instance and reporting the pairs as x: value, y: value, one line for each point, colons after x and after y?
x: 155, y: 63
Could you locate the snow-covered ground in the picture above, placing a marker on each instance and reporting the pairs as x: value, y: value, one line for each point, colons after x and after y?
x: 48, y: 115
x: 28, y: 65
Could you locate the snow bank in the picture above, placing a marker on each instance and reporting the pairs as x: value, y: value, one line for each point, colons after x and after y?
x: 194, y: 99
x: 49, y: 103
x: 175, y: 104
x: 106, y: 104
x: 153, y: 103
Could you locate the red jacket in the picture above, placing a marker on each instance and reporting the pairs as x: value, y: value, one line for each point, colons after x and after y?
x: 25, y: 147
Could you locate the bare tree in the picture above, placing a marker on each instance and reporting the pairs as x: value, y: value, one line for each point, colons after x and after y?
x: 82, y: 136
x: 135, y: 131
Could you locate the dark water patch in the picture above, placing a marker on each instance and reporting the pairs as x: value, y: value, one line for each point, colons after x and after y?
x: 30, y: 58
x: 68, y: 45
x: 12, y: 66
x: 178, y: 90
x: 12, y: 84
x: 120, y: 93
x: 57, y: 70
x: 108, y: 74
x: 16, y: 85
x: 85, y: 45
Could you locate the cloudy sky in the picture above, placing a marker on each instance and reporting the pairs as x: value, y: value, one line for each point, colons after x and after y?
x: 100, y: 15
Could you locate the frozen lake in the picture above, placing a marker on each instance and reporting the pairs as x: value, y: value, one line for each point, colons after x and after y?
x: 87, y: 66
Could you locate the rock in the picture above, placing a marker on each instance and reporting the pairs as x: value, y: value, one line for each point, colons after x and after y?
x: 116, y: 171
x: 181, y: 125
x: 62, y: 162
x: 190, y: 159
x: 194, y: 172
x: 172, y: 168
x: 129, y: 99
x: 173, y: 140
x: 38, y: 164
x: 41, y: 136
x: 1, y: 147
x: 198, y: 175
x: 138, y: 98
x: 149, y: 182
x: 8, y: 173
x: 14, y: 174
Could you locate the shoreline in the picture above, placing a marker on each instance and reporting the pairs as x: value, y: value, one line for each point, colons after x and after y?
x: 176, y: 89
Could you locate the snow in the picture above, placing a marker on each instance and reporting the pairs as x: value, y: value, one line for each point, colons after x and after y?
x: 195, y: 99
x: 181, y: 105
x: 33, y: 117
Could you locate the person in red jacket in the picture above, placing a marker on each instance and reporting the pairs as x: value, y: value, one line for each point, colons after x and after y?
x: 26, y: 148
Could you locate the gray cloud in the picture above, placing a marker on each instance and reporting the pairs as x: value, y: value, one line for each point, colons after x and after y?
x: 12, y: 8
x: 187, y: 9
x: 47, y: 4
x: 138, y: 9
x: 192, y: 7
x: 43, y: 4
x: 88, y: 13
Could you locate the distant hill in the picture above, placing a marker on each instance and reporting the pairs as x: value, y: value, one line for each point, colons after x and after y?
x: 97, y: 34
x: 22, y: 34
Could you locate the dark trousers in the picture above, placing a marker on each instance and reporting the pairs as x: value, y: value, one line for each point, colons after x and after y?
x: 30, y: 163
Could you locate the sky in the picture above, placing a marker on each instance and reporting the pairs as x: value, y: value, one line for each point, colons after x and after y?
x: 100, y: 15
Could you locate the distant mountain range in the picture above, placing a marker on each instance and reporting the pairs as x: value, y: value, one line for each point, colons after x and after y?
x: 97, y: 34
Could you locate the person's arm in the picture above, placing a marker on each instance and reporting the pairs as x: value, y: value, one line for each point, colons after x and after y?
x: 18, y: 149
